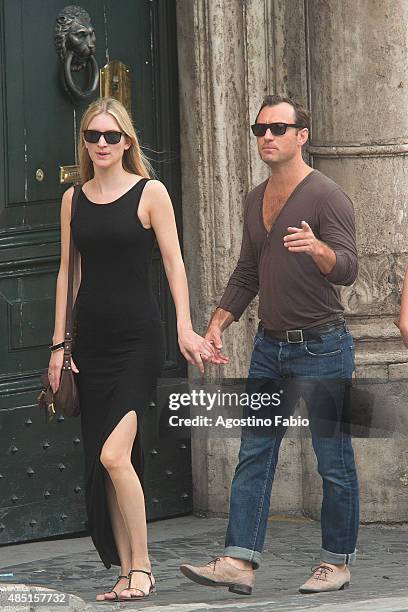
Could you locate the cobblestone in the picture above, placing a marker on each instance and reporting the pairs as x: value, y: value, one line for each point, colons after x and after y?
x: 379, y: 579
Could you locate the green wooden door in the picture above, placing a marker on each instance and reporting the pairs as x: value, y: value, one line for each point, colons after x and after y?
x: 41, y: 484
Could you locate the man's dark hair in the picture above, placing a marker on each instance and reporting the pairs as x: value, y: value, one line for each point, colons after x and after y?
x: 302, y: 115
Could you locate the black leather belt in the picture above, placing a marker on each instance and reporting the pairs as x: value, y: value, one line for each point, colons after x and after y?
x: 295, y: 336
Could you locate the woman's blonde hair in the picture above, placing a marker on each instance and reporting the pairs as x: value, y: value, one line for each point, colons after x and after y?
x: 133, y: 161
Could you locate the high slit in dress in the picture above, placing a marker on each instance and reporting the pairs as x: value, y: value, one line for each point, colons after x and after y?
x: 118, y: 343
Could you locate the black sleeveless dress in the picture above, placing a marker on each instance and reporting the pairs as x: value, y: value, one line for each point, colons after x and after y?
x: 118, y: 343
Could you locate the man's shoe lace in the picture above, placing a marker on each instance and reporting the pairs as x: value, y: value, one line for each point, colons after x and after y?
x: 214, y: 562
x: 320, y: 572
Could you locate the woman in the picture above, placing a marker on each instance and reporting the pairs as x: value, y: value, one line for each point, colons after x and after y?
x: 118, y: 350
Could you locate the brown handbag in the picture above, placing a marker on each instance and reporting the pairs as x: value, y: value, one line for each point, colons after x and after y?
x: 66, y: 398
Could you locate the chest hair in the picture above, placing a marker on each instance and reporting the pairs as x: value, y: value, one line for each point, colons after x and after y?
x: 272, y: 205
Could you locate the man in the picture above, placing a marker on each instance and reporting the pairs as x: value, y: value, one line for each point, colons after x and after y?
x: 298, y: 243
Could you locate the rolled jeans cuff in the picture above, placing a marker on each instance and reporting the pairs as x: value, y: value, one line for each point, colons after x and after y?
x: 245, y: 554
x: 338, y: 558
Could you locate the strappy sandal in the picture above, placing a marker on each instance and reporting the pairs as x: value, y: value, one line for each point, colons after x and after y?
x: 133, y: 597
x: 116, y: 598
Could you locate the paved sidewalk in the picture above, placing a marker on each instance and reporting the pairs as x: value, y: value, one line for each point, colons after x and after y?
x: 379, y: 579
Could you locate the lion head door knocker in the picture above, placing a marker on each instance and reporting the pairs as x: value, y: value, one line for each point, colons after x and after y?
x: 75, y: 44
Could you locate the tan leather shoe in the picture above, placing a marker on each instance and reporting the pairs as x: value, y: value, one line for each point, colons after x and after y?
x: 219, y: 572
x: 326, y: 577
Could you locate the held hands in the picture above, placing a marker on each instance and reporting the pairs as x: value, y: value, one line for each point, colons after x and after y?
x: 195, y: 348
x: 301, y: 240
x: 55, y: 367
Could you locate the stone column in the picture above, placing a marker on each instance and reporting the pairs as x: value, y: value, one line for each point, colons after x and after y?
x: 226, y: 66
x: 358, y: 93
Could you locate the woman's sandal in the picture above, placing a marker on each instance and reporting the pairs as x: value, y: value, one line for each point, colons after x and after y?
x: 116, y: 598
x: 133, y: 597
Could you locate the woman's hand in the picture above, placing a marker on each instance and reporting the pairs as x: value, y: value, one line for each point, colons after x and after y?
x: 195, y: 348
x: 55, y: 367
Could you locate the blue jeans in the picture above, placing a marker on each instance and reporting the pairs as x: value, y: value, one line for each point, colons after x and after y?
x: 321, y: 372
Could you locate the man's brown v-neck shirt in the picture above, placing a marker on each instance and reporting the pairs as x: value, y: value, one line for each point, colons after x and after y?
x: 293, y: 293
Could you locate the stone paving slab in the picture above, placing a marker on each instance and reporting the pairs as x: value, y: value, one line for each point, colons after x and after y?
x: 379, y: 579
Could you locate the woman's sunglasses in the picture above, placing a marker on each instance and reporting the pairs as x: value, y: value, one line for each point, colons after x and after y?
x: 277, y: 129
x: 111, y: 137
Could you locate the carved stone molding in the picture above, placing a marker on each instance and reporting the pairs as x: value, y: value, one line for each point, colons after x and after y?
x: 360, y: 151
x: 374, y: 292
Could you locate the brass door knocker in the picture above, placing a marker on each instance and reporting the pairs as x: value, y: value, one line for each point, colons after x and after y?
x: 75, y: 44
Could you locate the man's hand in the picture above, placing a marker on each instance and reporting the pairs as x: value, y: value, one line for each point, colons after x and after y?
x: 303, y: 240
x: 220, y: 320
x: 213, y: 335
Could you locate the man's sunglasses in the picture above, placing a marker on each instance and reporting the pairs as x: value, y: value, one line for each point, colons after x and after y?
x: 111, y: 137
x: 277, y: 129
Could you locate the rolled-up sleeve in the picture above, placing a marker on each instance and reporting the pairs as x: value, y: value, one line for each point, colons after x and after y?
x: 337, y: 229
x: 243, y: 284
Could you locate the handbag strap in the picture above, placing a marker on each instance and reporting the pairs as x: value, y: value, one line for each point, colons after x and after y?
x: 71, y: 265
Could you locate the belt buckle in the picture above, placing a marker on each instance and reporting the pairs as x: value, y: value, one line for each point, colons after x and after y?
x: 294, y: 336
